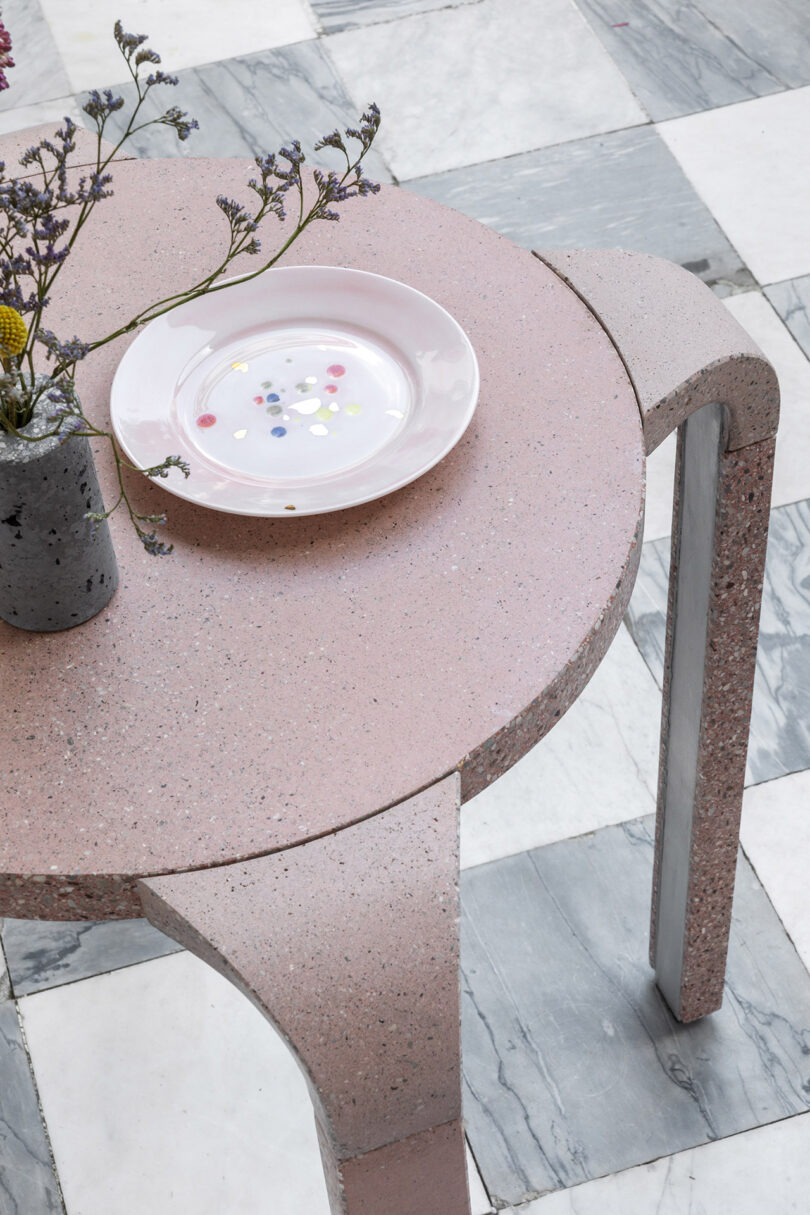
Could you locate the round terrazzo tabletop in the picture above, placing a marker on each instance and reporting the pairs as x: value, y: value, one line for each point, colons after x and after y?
x: 277, y: 679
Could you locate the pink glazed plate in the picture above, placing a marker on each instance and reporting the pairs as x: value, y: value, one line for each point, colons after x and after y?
x: 305, y: 389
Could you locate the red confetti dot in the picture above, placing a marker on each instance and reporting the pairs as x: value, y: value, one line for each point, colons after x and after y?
x: 336, y: 370
x: 330, y: 388
x: 206, y: 419
x: 259, y: 400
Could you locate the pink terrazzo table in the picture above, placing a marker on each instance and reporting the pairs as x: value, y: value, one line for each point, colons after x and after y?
x: 263, y: 740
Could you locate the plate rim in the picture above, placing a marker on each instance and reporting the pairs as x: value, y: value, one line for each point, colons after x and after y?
x: 177, y: 487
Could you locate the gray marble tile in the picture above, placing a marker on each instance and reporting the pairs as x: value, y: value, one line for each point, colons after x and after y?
x: 792, y: 301
x: 622, y: 190
x: 573, y: 1066
x: 779, y: 741
x: 5, y: 982
x: 38, y: 73
x: 251, y: 105
x: 334, y: 15
x: 44, y: 954
x: 28, y: 1185
x: 681, y: 57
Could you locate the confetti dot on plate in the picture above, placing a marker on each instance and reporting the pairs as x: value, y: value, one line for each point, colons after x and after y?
x: 310, y: 406
x: 330, y: 388
x: 336, y: 370
x: 272, y: 396
x: 317, y: 429
x: 267, y: 383
x: 324, y: 414
x: 334, y: 407
x: 239, y: 434
x: 206, y: 419
x: 259, y: 400
x: 353, y: 409
x: 302, y: 386
x: 289, y: 507
x: 311, y: 379
x: 285, y: 417
x: 275, y: 410
x: 395, y: 413
x: 278, y: 432
x: 239, y: 366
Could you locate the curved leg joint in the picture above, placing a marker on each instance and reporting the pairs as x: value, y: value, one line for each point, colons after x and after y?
x: 349, y: 945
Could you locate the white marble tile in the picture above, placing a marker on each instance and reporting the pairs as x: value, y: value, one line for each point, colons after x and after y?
x: 597, y: 766
x: 749, y: 163
x: 791, y: 480
x: 479, y: 1199
x: 776, y: 837
x: 759, y: 1171
x: 185, y: 33
x: 38, y: 73
x: 45, y: 111
x: 166, y: 1062
x: 164, y: 1090
x: 463, y: 85
x: 660, y: 483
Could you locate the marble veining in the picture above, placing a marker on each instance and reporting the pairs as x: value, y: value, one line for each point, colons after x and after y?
x: 478, y: 82
x: 792, y: 301
x: 251, y: 105
x: 44, y: 954
x: 767, y: 1169
x: 28, y: 1185
x: 39, y: 73
x: 185, y: 32
x: 5, y: 981
x: 779, y: 741
x: 622, y: 190
x: 681, y: 57
x: 574, y: 1067
x: 335, y: 15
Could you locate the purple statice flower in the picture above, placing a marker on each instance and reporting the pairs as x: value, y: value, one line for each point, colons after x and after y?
x: 5, y: 55
x: 100, y: 105
x: 65, y: 352
x: 179, y: 119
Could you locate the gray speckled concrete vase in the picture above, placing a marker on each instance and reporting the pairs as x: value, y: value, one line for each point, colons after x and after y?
x: 53, y: 573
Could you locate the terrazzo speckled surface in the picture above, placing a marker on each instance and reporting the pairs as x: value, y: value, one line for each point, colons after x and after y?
x: 738, y: 170
x: 388, y: 655
x: 365, y: 938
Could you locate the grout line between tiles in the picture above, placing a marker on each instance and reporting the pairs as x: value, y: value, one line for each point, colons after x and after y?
x: 43, y: 1120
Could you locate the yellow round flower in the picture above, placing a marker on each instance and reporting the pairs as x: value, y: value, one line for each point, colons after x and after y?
x: 13, y: 333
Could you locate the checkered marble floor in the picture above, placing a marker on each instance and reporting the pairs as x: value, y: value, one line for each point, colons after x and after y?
x: 134, y: 1079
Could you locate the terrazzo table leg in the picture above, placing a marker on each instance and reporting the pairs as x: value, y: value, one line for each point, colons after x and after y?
x: 693, y: 367
x: 349, y: 945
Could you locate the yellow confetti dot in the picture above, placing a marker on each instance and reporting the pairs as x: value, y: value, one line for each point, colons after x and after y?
x: 324, y: 414
x: 239, y: 366
x: 239, y: 434
x: 353, y: 409
x: 13, y: 333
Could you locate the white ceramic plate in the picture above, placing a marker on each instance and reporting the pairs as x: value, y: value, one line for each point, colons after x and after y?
x: 306, y: 389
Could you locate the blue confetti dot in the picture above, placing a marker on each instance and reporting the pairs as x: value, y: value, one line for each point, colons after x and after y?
x: 273, y: 396
x: 279, y: 431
